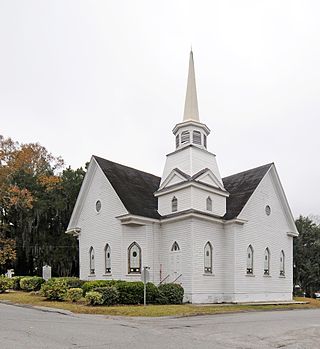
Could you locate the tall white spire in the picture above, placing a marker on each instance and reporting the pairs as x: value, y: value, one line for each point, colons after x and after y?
x: 191, y: 111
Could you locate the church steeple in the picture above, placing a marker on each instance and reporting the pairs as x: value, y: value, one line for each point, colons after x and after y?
x: 191, y: 111
x: 191, y: 131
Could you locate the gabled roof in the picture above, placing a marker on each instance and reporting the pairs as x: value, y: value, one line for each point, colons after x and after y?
x: 241, y: 186
x: 134, y: 188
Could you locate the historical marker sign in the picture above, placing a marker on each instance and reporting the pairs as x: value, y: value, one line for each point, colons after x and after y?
x: 46, y: 272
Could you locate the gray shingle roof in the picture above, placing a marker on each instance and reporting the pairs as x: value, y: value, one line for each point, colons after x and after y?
x: 136, y: 188
x: 241, y: 186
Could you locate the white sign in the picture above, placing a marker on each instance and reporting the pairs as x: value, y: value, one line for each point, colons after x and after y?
x: 46, y: 272
x: 10, y: 273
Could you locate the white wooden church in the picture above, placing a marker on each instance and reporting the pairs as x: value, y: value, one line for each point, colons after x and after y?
x: 223, y: 239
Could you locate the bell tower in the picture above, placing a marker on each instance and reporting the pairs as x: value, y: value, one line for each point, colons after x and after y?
x: 191, y: 171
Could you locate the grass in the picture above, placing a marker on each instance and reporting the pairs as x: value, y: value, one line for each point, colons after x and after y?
x: 18, y: 297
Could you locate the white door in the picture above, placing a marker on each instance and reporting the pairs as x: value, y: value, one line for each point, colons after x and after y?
x: 175, y: 262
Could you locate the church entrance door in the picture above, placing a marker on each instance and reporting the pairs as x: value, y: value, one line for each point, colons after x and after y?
x: 175, y: 262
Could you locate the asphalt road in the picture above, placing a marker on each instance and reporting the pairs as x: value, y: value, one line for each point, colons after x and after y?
x: 30, y: 328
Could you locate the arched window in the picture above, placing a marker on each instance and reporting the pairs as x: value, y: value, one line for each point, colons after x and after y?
x: 282, y: 260
x: 208, y: 258
x: 91, y: 258
x: 175, y: 247
x: 174, y: 204
x: 177, y: 141
x: 185, y: 137
x: 209, y: 203
x: 196, y: 137
x: 266, y: 265
x: 107, y: 258
x: 249, y: 260
x: 134, y: 258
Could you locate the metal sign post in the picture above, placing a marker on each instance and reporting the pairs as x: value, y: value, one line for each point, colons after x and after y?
x: 145, y: 278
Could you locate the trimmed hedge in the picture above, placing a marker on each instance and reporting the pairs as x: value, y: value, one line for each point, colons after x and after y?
x: 5, y: 283
x: 110, y: 295
x: 92, y: 285
x: 74, y: 294
x: 54, y: 289
x: 94, y: 298
x: 130, y: 292
x: 16, y: 282
x: 172, y: 293
x: 31, y: 283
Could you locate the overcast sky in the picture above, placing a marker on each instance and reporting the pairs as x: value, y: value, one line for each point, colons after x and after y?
x: 109, y: 78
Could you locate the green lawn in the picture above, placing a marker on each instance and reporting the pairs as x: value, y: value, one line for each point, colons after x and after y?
x: 151, y: 310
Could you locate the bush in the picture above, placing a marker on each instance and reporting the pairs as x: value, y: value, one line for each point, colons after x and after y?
x: 153, y: 293
x: 5, y: 283
x: 172, y: 292
x: 16, y: 283
x: 71, y: 282
x: 110, y: 294
x: 94, y: 298
x: 54, y: 289
x: 74, y: 294
x: 130, y: 292
x: 92, y: 285
x: 31, y: 283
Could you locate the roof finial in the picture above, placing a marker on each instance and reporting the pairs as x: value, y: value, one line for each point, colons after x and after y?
x: 191, y: 111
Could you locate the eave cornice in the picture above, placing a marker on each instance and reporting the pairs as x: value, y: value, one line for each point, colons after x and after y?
x: 193, y: 183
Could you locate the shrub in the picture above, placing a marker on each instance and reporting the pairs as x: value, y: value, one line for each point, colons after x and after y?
x: 74, y: 294
x: 71, y: 282
x: 130, y: 292
x: 54, y: 289
x: 94, y: 298
x: 153, y: 293
x: 31, y: 283
x: 172, y: 292
x: 92, y: 285
x: 16, y: 283
x: 110, y: 295
x: 5, y: 283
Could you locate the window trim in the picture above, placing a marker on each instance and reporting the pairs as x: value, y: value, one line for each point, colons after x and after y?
x: 174, y: 204
x: 92, y: 267
x: 266, y: 271
x: 250, y: 267
x: 138, y: 271
x: 209, y: 204
x: 282, y: 271
x: 107, y: 248
x: 208, y: 269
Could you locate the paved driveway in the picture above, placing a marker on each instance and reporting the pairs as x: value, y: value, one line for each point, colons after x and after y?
x: 29, y: 328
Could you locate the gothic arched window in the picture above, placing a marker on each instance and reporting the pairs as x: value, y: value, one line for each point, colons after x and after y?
x: 107, y: 258
x: 208, y: 258
x: 209, y: 203
x: 134, y: 258
x: 174, y: 204
x: 249, y: 260
x: 91, y: 260
x: 266, y: 265
x: 175, y: 247
x: 282, y: 260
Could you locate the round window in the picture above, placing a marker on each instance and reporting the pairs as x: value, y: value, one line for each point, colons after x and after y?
x: 134, y: 254
x: 268, y: 210
x: 98, y: 205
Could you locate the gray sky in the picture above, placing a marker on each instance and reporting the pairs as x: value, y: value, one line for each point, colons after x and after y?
x: 109, y: 78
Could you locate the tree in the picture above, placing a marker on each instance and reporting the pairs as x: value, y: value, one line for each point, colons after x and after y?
x: 36, y: 201
x: 7, y: 250
x: 306, y: 250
